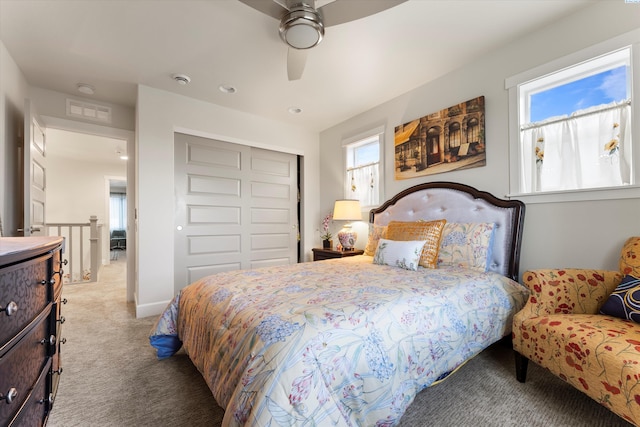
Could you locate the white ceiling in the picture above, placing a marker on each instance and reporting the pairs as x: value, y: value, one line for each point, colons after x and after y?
x: 86, y: 148
x: 115, y: 45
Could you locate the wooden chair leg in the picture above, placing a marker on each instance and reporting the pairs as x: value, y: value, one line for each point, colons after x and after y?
x: 521, y: 367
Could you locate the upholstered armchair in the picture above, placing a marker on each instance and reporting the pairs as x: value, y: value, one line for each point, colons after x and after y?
x: 562, y: 329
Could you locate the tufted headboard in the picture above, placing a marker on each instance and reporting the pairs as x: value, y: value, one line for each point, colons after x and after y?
x: 462, y: 203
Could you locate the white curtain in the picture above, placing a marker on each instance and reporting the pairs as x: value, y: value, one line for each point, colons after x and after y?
x: 118, y: 211
x: 589, y: 149
x: 361, y: 184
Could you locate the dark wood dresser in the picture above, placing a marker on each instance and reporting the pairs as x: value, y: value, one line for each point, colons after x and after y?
x: 30, y: 327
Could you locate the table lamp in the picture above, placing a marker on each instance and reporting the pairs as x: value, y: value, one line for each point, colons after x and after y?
x: 347, y: 210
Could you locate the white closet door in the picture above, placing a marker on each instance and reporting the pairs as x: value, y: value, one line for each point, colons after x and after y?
x: 236, y: 208
x: 273, y: 200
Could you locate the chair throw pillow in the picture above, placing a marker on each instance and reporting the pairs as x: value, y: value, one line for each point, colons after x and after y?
x: 429, y: 231
x: 403, y: 254
x: 630, y: 257
x: 624, y: 301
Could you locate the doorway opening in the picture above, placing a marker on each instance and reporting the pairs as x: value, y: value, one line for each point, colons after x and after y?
x: 78, y: 166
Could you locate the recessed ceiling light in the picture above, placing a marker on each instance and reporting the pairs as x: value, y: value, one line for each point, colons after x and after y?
x: 227, y: 89
x: 181, y: 79
x: 86, y: 89
x: 295, y: 110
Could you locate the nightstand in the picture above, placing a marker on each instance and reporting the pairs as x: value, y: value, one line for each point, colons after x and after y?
x: 319, y: 253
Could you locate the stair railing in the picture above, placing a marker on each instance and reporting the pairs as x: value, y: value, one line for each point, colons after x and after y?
x: 82, y: 248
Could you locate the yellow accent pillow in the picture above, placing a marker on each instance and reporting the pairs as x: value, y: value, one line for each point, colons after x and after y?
x: 376, y: 232
x: 430, y: 231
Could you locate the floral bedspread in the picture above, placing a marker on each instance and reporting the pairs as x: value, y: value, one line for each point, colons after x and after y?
x: 338, y: 342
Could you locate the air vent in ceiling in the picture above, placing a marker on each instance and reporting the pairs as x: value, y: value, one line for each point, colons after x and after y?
x: 88, y: 111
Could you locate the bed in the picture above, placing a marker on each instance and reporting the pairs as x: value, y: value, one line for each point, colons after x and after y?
x: 351, y: 341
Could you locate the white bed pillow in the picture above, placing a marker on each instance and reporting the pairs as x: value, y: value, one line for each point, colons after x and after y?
x: 404, y: 254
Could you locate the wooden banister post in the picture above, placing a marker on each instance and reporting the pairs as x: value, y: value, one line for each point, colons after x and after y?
x: 94, y: 240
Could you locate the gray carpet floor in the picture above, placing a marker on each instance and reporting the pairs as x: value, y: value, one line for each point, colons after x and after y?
x: 111, y: 377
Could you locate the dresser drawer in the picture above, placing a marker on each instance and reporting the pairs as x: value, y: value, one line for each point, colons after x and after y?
x: 35, y: 410
x: 24, y: 293
x: 21, y: 365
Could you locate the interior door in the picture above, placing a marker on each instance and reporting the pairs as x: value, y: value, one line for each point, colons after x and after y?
x: 34, y: 173
x: 236, y: 208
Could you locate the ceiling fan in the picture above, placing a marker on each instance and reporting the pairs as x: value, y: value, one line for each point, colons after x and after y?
x: 302, y: 24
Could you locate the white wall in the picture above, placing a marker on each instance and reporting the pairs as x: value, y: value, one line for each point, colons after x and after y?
x: 54, y: 104
x: 577, y: 234
x: 13, y: 90
x: 76, y: 190
x: 159, y: 115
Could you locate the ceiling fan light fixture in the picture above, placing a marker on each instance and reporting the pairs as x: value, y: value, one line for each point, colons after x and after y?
x: 302, y: 27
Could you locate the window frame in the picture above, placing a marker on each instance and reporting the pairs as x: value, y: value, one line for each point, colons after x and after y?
x: 631, y: 40
x: 356, y: 141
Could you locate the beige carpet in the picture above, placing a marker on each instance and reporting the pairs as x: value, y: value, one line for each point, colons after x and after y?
x: 112, y: 378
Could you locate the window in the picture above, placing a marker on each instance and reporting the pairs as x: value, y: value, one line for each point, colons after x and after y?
x: 573, y: 126
x: 118, y: 211
x: 454, y: 135
x: 473, y: 131
x: 363, y: 173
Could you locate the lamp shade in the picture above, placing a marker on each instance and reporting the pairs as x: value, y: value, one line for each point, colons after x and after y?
x: 347, y: 210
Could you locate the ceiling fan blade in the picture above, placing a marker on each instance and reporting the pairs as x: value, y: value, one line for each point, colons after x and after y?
x: 268, y: 7
x: 340, y: 11
x: 296, y: 60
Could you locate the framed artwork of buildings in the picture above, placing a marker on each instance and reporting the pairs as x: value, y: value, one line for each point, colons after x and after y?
x: 450, y: 139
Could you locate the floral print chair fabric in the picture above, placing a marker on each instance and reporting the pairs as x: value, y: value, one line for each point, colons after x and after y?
x: 630, y: 257
x: 561, y: 329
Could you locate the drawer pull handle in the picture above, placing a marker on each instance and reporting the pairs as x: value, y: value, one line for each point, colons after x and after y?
x: 10, y: 396
x: 62, y: 320
x: 10, y: 309
x: 48, y: 282
x: 59, y: 371
x: 61, y: 272
x: 50, y: 341
x: 49, y: 400
x: 64, y: 300
x: 63, y: 341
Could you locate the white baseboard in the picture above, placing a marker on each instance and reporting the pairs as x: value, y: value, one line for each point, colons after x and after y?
x: 153, y: 309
